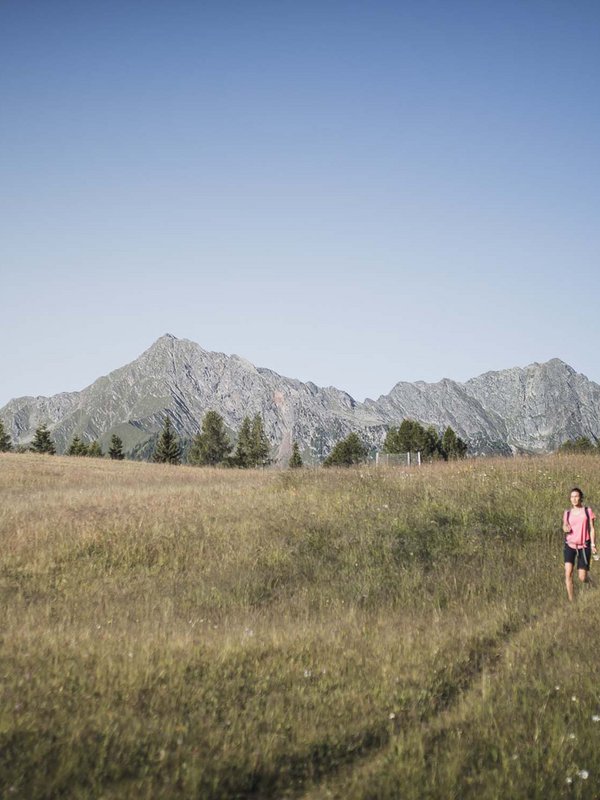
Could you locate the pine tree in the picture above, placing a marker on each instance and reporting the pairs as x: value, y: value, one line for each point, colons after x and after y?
x: 295, y: 461
x: 42, y: 441
x: 432, y: 444
x: 211, y: 446
x: 5, y: 442
x: 452, y: 445
x: 94, y: 450
x: 349, y: 451
x: 77, y: 447
x: 115, y: 450
x: 167, y: 449
x: 410, y: 437
x: 580, y: 445
x: 243, y: 451
x: 260, y: 447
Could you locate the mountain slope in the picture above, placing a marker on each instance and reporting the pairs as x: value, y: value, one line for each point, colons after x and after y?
x: 529, y: 409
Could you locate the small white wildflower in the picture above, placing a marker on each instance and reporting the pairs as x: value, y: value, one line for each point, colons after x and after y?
x: 307, y: 673
x: 583, y: 774
x: 385, y: 505
x: 557, y: 688
x: 569, y: 780
x: 595, y: 717
x: 573, y: 698
x: 515, y: 756
x: 392, y: 715
x: 571, y: 736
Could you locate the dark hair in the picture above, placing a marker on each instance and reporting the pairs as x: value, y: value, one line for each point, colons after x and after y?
x: 577, y: 489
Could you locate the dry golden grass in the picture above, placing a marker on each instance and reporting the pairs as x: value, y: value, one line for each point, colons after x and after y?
x: 180, y: 632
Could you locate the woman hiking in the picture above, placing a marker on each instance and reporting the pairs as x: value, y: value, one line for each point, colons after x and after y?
x: 580, y: 539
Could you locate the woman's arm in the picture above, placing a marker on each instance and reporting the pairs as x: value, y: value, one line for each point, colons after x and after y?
x: 566, y: 526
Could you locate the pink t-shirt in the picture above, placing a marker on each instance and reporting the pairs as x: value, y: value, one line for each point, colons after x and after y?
x: 579, y: 534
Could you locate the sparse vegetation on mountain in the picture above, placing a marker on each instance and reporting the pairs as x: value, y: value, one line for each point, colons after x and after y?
x: 42, y: 441
x: 211, y: 446
x: 295, y: 461
x: 5, y: 441
x: 115, y: 450
x: 168, y: 450
x: 349, y: 451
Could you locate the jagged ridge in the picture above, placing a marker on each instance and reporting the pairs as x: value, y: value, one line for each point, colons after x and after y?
x: 531, y: 409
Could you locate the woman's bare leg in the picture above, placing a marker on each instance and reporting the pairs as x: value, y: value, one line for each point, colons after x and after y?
x: 569, y: 580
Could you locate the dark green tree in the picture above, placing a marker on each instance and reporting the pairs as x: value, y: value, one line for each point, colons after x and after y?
x: 77, y: 447
x: 260, y: 447
x: 115, y: 451
x: 349, y: 451
x: 42, y: 441
x: 168, y: 450
x: 295, y: 461
x: 580, y: 445
x: 432, y: 444
x: 5, y: 442
x: 243, y: 451
x: 94, y: 450
x: 409, y: 437
x: 453, y: 446
x: 211, y: 446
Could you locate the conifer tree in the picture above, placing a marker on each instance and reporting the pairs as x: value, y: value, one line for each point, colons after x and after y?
x: 410, y: 437
x: 243, y: 451
x: 42, y: 441
x: 432, y: 444
x: 295, y: 461
x: 452, y: 445
x: 115, y: 450
x: 211, y: 446
x: 260, y: 447
x: 349, y: 451
x: 94, y: 450
x: 5, y: 442
x: 77, y: 447
x: 168, y: 450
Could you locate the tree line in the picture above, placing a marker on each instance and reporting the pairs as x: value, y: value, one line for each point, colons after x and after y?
x: 409, y: 437
x: 212, y: 445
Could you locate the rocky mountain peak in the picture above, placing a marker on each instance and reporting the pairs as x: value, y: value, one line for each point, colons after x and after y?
x: 531, y: 409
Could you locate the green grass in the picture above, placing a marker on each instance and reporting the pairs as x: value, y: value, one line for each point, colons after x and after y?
x: 176, y: 632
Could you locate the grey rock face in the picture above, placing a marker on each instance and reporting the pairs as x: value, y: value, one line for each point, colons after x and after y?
x: 532, y: 409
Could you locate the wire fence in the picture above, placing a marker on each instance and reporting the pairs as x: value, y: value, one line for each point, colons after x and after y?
x: 398, y: 459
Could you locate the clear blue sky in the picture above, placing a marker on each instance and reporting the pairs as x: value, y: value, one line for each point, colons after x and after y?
x: 353, y: 193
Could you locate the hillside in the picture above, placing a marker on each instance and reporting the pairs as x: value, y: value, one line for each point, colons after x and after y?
x: 176, y: 632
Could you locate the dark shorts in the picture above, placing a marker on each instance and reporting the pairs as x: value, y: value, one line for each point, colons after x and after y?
x: 583, y: 555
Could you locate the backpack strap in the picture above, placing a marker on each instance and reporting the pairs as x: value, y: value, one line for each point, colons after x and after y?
x: 589, y: 524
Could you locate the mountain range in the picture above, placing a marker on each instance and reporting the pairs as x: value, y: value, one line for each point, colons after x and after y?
x: 520, y: 410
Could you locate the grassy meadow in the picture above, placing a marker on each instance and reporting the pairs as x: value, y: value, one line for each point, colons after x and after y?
x: 172, y: 632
